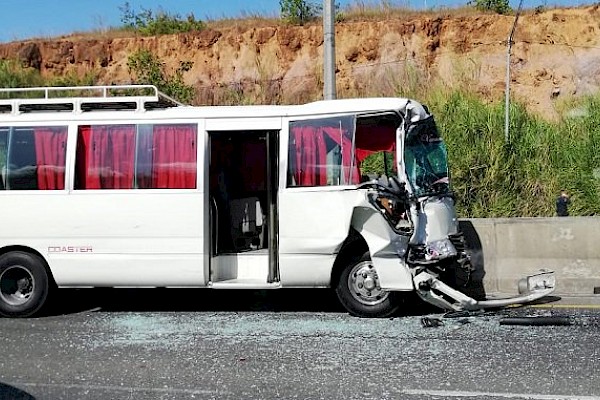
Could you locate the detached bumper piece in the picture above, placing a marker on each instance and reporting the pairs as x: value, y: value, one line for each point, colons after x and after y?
x: 436, y: 292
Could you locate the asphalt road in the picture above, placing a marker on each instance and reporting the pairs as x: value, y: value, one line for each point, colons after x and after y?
x: 168, y: 344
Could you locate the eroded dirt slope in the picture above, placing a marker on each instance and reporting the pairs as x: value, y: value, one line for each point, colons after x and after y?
x: 556, y: 55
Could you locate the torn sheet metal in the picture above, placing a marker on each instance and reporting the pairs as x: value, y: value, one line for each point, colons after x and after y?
x: 387, y: 248
x: 435, y: 292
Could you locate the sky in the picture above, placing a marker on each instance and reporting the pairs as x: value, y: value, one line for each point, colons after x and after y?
x: 23, y: 19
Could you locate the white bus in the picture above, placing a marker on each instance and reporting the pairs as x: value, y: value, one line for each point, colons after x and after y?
x: 120, y: 186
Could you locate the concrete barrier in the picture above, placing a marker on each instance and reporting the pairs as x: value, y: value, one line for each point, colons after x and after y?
x: 504, y: 250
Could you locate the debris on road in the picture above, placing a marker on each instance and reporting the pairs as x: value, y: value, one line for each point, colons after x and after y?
x: 537, y: 321
x: 431, y: 322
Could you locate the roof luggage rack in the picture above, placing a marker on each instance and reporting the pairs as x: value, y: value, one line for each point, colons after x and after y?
x: 79, y: 99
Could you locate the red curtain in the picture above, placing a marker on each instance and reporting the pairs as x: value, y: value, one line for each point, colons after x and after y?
x: 311, y: 156
x: 373, y: 140
x: 106, y: 157
x: 346, y: 145
x: 50, y: 151
x: 174, y: 162
x: 122, y: 146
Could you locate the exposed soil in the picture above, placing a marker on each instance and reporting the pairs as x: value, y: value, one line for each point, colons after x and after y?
x: 556, y: 55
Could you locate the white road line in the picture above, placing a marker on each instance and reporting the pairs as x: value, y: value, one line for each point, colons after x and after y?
x: 416, y: 392
x: 116, y: 388
x: 450, y: 393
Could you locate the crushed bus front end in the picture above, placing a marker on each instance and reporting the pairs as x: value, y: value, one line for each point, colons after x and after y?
x: 419, y: 208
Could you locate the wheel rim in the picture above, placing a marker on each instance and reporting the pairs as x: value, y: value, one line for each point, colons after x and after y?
x: 364, y: 286
x: 16, y: 285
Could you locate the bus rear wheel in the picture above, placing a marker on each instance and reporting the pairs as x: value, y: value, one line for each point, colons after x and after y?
x: 359, y: 290
x: 24, y: 284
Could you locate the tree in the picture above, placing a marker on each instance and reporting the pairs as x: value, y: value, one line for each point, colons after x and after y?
x: 299, y: 12
x: 497, y: 6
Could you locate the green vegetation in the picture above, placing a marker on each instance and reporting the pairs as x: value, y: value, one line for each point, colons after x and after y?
x: 497, y: 6
x: 522, y: 178
x: 148, y: 23
x: 299, y: 12
x: 72, y: 79
x: 377, y: 164
x: 148, y: 69
x: 12, y: 75
x: 491, y: 178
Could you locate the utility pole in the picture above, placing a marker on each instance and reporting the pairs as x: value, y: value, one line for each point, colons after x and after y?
x: 329, y: 87
x: 507, y: 92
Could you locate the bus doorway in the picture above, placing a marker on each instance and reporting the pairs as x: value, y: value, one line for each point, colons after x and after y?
x: 243, y: 213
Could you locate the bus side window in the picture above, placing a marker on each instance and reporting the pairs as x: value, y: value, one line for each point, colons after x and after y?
x: 160, y: 156
x: 22, y: 169
x: 320, y: 153
x: 33, y: 158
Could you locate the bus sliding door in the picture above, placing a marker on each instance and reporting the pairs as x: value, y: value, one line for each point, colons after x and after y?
x: 243, y: 211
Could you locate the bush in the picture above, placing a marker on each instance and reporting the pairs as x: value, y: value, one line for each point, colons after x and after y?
x: 148, y: 70
x: 497, y: 6
x: 72, y: 79
x: 299, y: 12
x: 12, y: 75
x: 147, y: 23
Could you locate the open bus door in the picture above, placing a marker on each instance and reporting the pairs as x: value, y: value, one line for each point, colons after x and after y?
x: 243, y: 211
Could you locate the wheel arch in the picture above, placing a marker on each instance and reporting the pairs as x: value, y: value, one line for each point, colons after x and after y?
x: 32, y: 251
x: 354, y: 246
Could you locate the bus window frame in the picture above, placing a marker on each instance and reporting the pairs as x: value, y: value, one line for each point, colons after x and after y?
x: 200, y: 154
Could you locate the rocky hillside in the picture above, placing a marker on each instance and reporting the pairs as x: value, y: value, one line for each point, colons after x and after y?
x: 556, y: 55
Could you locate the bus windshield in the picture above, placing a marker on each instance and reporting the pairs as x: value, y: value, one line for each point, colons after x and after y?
x: 426, y: 159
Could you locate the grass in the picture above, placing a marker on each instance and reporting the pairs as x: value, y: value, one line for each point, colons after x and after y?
x: 523, y: 177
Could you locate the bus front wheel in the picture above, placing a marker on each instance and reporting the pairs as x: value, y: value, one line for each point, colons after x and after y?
x: 359, y: 290
x: 24, y: 284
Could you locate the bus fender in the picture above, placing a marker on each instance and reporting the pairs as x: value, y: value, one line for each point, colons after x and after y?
x: 387, y: 248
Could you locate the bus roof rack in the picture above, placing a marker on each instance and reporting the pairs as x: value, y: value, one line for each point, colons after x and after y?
x: 79, y: 99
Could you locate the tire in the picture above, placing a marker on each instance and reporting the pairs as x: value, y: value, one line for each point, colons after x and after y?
x: 358, y: 290
x: 24, y: 284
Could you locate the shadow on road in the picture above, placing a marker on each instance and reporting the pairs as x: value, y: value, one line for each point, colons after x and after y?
x: 70, y: 301
x: 8, y: 392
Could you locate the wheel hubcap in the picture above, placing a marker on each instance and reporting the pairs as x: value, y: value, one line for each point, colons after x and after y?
x: 363, y: 283
x: 16, y: 285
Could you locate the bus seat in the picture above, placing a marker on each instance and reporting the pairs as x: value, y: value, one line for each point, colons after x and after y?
x: 246, y: 223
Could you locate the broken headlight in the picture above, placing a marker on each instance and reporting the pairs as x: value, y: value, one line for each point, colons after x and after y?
x: 440, y: 249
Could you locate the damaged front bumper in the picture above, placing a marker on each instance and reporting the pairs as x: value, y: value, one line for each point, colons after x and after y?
x: 436, y: 292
